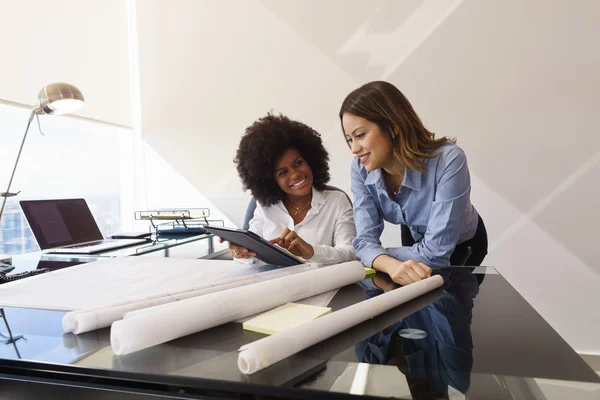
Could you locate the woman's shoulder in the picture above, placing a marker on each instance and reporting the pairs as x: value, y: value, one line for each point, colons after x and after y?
x: 263, y: 209
x: 449, y: 151
x: 335, y: 196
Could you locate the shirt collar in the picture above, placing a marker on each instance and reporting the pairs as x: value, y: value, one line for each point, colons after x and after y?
x: 317, y: 197
x: 412, y: 178
x: 374, y: 177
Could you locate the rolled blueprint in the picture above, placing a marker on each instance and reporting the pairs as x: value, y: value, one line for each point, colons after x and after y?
x: 100, y: 317
x: 148, y: 327
x: 306, y: 362
x: 258, y: 355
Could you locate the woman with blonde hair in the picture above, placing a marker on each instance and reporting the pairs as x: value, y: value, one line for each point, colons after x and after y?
x: 403, y: 174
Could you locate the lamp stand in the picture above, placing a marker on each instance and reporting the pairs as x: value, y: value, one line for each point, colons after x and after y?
x: 8, y: 194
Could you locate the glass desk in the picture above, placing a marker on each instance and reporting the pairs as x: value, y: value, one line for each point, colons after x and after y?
x: 474, y: 338
x: 179, y: 247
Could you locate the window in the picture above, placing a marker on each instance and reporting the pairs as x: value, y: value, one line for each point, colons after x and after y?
x: 75, y: 158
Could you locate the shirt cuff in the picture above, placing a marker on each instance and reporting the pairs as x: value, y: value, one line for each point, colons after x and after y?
x: 403, y: 254
x: 368, y: 255
x: 406, y: 253
x: 320, y: 253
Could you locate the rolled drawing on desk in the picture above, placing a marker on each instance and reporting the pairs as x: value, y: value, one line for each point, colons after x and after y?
x: 124, y: 280
x: 86, y: 320
x: 309, y: 359
x: 264, y: 352
x: 152, y: 326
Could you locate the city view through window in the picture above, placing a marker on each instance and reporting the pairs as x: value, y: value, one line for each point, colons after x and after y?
x: 76, y: 158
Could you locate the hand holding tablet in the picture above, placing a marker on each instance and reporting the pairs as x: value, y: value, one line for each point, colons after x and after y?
x: 254, y: 244
x: 238, y: 251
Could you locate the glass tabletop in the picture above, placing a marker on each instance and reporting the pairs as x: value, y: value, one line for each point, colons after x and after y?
x: 162, y: 243
x: 474, y: 337
x: 203, y: 246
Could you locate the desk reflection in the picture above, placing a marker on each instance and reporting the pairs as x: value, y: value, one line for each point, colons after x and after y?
x: 432, y: 347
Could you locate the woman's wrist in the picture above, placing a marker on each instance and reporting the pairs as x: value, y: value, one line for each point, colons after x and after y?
x: 384, y: 263
x: 310, y: 250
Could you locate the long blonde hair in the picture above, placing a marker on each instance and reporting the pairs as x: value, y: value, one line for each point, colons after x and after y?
x: 383, y: 104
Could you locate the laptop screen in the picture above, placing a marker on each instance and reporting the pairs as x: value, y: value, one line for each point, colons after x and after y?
x: 57, y: 223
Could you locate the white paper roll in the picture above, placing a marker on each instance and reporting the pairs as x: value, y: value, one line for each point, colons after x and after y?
x: 100, y: 317
x: 152, y: 326
x: 258, y: 355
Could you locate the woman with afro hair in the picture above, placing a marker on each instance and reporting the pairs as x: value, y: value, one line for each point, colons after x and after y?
x: 285, y: 166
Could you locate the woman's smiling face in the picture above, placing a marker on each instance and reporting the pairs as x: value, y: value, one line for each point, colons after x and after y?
x: 368, y: 142
x: 293, y: 174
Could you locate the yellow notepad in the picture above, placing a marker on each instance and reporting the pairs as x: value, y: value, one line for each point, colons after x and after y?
x: 284, y: 317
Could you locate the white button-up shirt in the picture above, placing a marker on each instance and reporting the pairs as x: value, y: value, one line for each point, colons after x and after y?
x: 328, y: 226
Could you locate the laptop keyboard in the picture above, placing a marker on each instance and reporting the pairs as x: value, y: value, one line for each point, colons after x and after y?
x: 90, y: 244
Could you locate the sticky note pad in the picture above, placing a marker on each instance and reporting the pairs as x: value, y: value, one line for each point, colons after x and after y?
x: 284, y: 317
x: 369, y: 272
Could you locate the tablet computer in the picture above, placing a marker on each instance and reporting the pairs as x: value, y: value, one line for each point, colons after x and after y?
x: 265, y: 251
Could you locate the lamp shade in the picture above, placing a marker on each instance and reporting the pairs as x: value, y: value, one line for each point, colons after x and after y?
x: 58, y: 98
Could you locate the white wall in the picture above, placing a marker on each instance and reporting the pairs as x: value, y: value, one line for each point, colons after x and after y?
x: 516, y: 82
x: 82, y: 42
x: 207, y: 73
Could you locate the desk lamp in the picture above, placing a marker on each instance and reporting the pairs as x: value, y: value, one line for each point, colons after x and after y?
x: 54, y: 99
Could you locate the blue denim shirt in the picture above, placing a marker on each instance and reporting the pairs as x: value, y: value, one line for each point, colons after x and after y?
x: 435, y: 205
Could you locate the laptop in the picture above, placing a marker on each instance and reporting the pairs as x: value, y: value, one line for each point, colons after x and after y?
x: 67, y: 226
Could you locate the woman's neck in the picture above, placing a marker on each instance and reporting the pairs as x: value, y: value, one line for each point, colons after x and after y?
x: 299, y: 201
x: 394, y: 167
